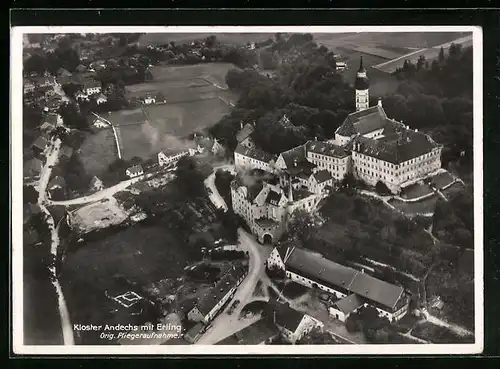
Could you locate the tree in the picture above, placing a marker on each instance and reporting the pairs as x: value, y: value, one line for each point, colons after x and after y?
x: 441, y: 55
x: 30, y: 195
x: 382, y: 189
x: 210, y: 41
x: 188, y: 179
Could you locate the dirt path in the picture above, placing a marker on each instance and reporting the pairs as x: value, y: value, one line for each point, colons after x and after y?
x: 52, y: 159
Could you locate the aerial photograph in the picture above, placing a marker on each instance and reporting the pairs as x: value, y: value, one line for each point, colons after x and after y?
x: 248, y: 188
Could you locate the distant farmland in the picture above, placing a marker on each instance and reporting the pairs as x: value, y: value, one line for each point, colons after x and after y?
x: 227, y: 38
x: 429, y: 54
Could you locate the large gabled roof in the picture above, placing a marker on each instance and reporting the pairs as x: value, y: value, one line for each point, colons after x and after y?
x: 246, y: 131
x: 374, y: 289
x: 348, y: 304
x: 322, y: 176
x: 363, y: 121
x: 255, y: 153
x: 315, y: 267
x: 326, y: 148
x: 285, y: 316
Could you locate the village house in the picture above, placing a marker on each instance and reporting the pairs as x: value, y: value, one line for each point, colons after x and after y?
x: 96, y: 184
x: 91, y: 87
x: 80, y: 95
x: 208, y: 144
x: 134, y: 171
x: 99, y: 123
x: 32, y: 169
x: 314, y: 271
x: 28, y: 86
x: 243, y: 137
x: 148, y: 100
x: 166, y: 158
x: 101, y: 99
x: 39, y: 145
x: 248, y: 158
x: 292, y: 324
x: 211, y: 304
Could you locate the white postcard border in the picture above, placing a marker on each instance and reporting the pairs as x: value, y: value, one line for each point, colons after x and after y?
x: 16, y: 83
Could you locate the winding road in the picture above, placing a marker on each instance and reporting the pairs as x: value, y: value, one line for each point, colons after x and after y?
x: 52, y: 158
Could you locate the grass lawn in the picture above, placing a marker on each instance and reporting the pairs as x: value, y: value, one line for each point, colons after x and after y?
x: 441, y: 180
x: 438, y: 334
x: 415, y: 190
x: 141, y: 254
x: 453, y: 189
x: 413, y: 208
x: 98, y: 151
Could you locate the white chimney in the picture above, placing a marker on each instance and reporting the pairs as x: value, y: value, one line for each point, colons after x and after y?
x: 316, y: 138
x: 379, y: 102
x: 416, y: 130
x: 241, y: 125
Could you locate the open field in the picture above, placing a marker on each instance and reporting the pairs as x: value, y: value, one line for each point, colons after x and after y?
x: 377, y: 48
x: 145, y: 132
x: 226, y: 38
x: 425, y: 206
x: 430, y: 53
x: 98, y: 151
x: 99, y: 215
x: 99, y: 271
x: 196, y: 97
x: 399, y: 42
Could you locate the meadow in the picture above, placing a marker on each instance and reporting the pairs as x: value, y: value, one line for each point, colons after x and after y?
x: 98, y: 151
x: 97, y: 270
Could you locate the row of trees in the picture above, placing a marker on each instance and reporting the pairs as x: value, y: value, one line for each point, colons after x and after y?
x: 438, y: 99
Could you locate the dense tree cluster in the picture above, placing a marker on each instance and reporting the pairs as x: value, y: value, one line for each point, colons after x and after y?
x: 453, y: 220
x: 365, y: 227
x: 307, y: 88
x: 438, y: 99
x: 189, y: 179
x: 223, y: 181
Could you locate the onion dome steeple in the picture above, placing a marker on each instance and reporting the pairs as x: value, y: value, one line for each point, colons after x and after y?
x: 362, y: 82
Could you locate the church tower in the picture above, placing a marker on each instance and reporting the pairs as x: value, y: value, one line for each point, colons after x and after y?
x: 361, y: 86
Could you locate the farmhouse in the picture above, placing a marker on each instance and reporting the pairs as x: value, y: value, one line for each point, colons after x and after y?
x: 314, y: 271
x: 134, y: 171
x: 292, y: 324
x: 247, y: 158
x: 207, y: 308
x: 167, y: 158
x: 92, y: 87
